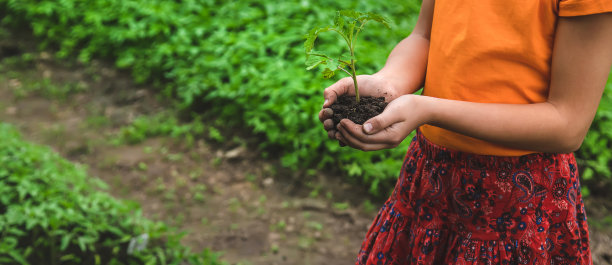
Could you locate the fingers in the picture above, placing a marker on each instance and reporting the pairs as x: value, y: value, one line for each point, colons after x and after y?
x: 389, y: 116
x: 356, y: 131
x: 341, y: 141
x: 325, y: 114
x: 352, y: 135
x: 351, y: 141
x: 332, y: 92
x: 331, y: 134
x: 328, y: 124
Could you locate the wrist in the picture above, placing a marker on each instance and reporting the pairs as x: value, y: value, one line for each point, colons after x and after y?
x: 422, y: 107
x: 401, y: 83
x: 391, y: 81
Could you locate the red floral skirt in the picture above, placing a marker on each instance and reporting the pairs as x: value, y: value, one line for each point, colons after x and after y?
x: 450, y: 207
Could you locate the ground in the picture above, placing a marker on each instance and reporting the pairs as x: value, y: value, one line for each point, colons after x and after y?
x: 225, y: 195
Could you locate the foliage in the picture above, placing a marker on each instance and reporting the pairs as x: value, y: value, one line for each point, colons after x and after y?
x: 160, y: 124
x: 595, y: 154
x: 237, y: 61
x: 348, y: 24
x: 51, y: 212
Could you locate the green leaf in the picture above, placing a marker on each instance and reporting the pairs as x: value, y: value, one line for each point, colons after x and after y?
x: 328, y: 73
x: 320, y: 57
x: 351, y: 31
x: 333, y: 65
x: 314, y: 62
x: 312, y: 36
x: 82, y: 243
x: 354, y: 169
x: 68, y: 257
x: 376, y: 17
x: 65, y: 241
x: 339, y: 21
x: 15, y: 255
x: 341, y: 206
x: 351, y: 14
x: 585, y: 192
x: 321, y: 54
x: 310, y: 39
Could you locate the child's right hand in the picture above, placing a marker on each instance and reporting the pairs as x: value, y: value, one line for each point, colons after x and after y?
x: 369, y: 85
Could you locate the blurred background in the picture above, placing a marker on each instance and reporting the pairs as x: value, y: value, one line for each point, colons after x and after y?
x: 185, y: 132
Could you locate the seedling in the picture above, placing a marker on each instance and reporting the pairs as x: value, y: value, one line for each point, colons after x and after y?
x: 348, y: 24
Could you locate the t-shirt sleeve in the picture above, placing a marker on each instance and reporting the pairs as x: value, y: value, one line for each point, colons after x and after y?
x: 571, y: 8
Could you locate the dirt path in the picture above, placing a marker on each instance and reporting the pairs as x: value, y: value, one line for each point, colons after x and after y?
x: 226, y: 196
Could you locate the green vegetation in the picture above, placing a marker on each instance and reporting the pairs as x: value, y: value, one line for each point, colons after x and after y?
x: 51, y: 212
x: 160, y: 124
x: 595, y: 155
x: 236, y: 61
x: 348, y: 24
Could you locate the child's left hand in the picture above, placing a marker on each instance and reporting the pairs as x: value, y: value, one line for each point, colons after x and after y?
x: 386, y: 130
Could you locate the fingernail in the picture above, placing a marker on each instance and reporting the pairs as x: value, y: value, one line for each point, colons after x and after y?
x: 367, y: 127
x: 325, y: 102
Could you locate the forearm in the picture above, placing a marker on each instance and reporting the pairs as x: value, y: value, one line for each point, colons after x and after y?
x: 581, y: 62
x: 541, y: 127
x: 582, y: 57
x: 405, y: 68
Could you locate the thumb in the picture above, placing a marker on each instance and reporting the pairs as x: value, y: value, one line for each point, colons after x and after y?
x: 380, y: 122
x: 337, y: 89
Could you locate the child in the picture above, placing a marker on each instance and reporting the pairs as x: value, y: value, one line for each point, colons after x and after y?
x: 510, y: 90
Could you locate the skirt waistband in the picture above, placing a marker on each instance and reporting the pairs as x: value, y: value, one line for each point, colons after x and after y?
x: 441, y: 153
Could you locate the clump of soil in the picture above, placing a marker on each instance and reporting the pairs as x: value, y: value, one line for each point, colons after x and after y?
x: 347, y: 107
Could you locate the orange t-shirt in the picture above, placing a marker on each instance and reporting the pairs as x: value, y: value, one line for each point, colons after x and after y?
x: 494, y: 51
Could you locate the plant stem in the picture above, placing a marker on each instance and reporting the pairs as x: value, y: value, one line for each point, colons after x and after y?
x: 354, y: 76
x: 347, y: 72
x: 353, y: 73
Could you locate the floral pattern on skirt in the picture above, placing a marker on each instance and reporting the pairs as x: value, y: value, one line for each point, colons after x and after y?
x: 450, y: 207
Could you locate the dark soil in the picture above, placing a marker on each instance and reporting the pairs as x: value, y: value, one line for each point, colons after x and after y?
x: 347, y: 108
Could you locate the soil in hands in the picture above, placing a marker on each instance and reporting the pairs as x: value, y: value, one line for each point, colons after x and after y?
x: 347, y: 107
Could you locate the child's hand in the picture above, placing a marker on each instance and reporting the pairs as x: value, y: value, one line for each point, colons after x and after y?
x: 386, y: 130
x: 369, y: 85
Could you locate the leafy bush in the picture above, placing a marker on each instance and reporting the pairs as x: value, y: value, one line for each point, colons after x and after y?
x: 51, y: 212
x: 595, y: 155
x: 242, y: 61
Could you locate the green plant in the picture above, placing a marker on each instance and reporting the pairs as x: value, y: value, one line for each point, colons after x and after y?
x: 52, y: 212
x: 348, y: 24
x: 341, y: 206
x: 234, y: 61
x: 315, y: 225
x: 160, y: 124
x: 368, y: 206
x: 274, y: 248
x: 595, y: 155
x: 280, y: 226
x: 198, y: 192
x: 142, y: 166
